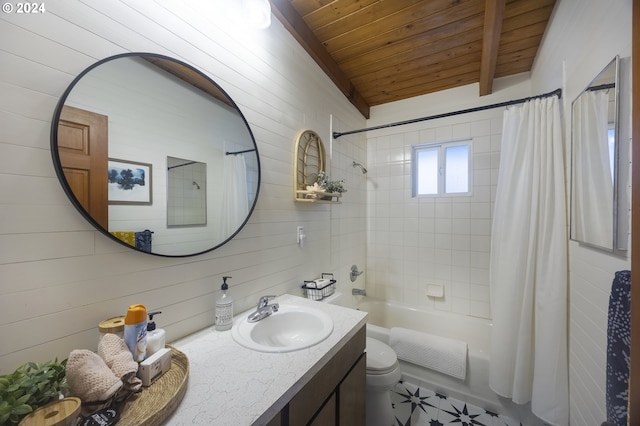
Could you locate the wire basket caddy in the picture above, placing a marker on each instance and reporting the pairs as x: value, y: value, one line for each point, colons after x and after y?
x: 313, y: 292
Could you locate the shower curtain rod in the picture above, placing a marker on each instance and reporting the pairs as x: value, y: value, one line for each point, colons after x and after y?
x: 239, y: 152
x: 601, y: 87
x: 558, y: 92
x: 182, y: 165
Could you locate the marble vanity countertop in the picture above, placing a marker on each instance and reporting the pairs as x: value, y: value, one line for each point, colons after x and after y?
x: 231, y: 385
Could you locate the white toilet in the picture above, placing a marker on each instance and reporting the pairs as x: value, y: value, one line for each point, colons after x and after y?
x: 383, y: 372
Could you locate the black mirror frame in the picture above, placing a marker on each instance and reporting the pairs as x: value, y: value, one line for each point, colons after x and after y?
x: 67, y: 189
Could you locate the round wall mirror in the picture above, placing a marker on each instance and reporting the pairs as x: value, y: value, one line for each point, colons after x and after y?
x: 155, y: 155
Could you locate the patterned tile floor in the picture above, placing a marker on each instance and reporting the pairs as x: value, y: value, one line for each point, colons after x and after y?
x: 415, y: 406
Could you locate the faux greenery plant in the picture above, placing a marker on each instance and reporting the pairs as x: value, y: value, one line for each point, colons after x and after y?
x: 333, y: 186
x: 31, y: 386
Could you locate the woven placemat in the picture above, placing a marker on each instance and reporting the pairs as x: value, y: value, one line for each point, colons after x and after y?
x: 156, y: 402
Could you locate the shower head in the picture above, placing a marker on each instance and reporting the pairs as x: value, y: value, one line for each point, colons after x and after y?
x: 364, y: 170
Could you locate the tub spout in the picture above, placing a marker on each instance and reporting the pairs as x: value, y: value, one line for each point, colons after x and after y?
x: 358, y: 292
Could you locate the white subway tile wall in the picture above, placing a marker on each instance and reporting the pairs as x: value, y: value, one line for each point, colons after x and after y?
x: 413, y: 242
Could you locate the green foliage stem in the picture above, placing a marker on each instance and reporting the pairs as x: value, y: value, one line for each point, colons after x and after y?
x: 32, y: 385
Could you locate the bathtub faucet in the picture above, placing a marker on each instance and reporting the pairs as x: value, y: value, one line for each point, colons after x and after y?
x: 354, y: 273
x: 358, y: 292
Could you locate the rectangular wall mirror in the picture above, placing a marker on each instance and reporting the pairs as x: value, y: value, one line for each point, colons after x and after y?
x: 186, y: 192
x: 599, y: 216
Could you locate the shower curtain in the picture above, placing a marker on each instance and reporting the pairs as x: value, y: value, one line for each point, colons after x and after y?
x: 528, y: 267
x: 591, y: 212
x: 235, y: 201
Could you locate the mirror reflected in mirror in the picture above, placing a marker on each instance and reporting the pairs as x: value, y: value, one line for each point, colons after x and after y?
x: 120, y: 135
x: 595, y: 159
x: 186, y: 192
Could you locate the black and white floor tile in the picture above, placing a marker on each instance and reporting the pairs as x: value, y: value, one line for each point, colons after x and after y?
x: 415, y: 406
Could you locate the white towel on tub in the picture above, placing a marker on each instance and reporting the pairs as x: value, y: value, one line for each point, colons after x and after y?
x: 448, y: 356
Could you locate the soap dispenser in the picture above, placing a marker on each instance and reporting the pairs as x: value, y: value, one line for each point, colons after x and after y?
x: 155, y: 336
x: 224, y: 308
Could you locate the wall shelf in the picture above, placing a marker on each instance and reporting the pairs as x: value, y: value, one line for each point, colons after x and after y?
x: 309, y: 162
x: 318, y: 197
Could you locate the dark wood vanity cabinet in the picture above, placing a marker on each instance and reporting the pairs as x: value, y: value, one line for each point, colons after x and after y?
x: 335, y: 395
x: 352, y: 395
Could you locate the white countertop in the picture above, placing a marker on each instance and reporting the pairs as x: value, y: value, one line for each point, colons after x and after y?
x: 233, y: 386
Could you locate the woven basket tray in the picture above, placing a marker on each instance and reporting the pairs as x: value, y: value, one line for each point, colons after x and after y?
x: 156, y: 402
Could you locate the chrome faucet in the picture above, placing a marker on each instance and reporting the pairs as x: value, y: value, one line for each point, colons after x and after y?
x: 358, y: 292
x: 354, y: 273
x: 264, y: 309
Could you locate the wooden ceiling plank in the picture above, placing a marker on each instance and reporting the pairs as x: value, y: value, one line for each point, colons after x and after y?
x: 467, y: 64
x: 521, y: 33
x: 192, y: 77
x: 441, y: 75
x: 411, y: 49
x: 494, y: 13
x: 344, y: 12
x: 425, y: 63
x: 513, y: 70
x: 305, y: 7
x: 519, y: 7
x: 422, y: 64
x: 293, y: 22
x: 524, y: 19
x: 407, y: 39
x: 525, y: 43
x: 396, y: 95
x: 383, y: 14
x: 414, y: 20
x: 388, y: 50
x: 517, y: 56
x: 449, y: 47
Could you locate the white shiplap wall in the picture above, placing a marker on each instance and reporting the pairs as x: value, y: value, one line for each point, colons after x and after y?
x: 59, y: 277
x: 582, y: 39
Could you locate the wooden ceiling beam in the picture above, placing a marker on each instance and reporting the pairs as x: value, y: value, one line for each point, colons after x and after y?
x: 293, y: 22
x: 493, y: 16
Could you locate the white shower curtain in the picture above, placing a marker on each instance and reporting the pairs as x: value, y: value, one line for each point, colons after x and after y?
x: 592, y: 212
x: 529, y: 263
x: 235, y: 200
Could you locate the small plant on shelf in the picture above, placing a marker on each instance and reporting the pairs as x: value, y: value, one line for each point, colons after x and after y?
x: 328, y: 185
x: 31, y: 386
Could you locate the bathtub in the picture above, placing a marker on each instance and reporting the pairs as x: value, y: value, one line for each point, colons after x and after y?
x: 475, y: 331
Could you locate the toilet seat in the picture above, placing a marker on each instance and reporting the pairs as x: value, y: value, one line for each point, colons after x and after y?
x: 381, y: 359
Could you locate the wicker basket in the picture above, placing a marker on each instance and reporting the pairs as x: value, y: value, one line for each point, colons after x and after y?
x: 311, y: 291
x: 156, y: 403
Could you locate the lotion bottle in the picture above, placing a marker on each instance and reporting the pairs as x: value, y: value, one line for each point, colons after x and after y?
x: 155, y: 336
x: 224, y: 308
x: 135, y: 331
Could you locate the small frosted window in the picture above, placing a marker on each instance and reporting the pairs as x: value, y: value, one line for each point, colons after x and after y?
x: 441, y: 169
x: 456, y: 169
x: 427, y: 162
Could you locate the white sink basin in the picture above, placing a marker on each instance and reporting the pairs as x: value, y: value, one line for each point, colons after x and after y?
x: 292, y: 328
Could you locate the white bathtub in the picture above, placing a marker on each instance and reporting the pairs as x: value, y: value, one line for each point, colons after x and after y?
x: 475, y: 331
